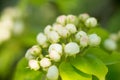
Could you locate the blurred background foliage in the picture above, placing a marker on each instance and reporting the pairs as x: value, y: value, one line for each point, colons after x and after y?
x: 36, y: 14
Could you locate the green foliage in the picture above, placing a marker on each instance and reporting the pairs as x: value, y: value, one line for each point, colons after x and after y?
x: 90, y: 65
x: 24, y: 73
x: 8, y: 57
x: 68, y: 72
x: 107, y: 58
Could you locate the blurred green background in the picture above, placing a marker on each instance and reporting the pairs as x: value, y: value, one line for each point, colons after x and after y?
x: 36, y: 14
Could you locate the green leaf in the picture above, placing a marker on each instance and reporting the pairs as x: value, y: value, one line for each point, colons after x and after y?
x: 24, y: 73
x: 10, y: 52
x: 68, y: 72
x: 90, y: 65
x: 107, y: 58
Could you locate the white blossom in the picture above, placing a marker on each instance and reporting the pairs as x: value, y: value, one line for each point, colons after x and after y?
x: 56, y: 47
x: 61, y: 20
x: 83, y: 17
x: 94, y: 40
x: 110, y: 44
x: 84, y: 41
x: 91, y: 22
x: 52, y: 73
x: 71, y: 48
x: 54, y: 55
x: 72, y: 19
x: 79, y: 35
x: 62, y: 31
x: 71, y: 28
x: 53, y: 37
x: 47, y: 29
x: 45, y: 62
x: 33, y: 64
x: 42, y: 40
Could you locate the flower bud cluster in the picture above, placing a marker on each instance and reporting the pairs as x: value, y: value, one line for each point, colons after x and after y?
x: 58, y: 41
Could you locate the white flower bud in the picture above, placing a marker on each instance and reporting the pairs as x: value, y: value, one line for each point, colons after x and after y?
x: 84, y: 41
x: 29, y: 56
x: 53, y: 37
x: 33, y: 64
x: 83, y: 17
x: 45, y: 62
x: 33, y: 52
x: 57, y: 27
x: 47, y: 29
x: 114, y: 37
x: 79, y: 35
x: 72, y: 19
x: 42, y: 40
x: 94, y: 40
x: 52, y: 73
x: 71, y: 28
x: 61, y: 20
x: 36, y: 50
x: 71, y: 48
x: 110, y: 45
x: 54, y: 55
x: 91, y: 22
x: 62, y: 31
x: 56, y: 47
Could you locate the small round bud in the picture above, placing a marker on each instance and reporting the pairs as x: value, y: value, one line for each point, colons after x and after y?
x: 36, y: 50
x: 55, y: 56
x: 45, y: 62
x: 52, y: 73
x: 53, y: 37
x: 71, y: 28
x: 62, y: 31
x: 57, y: 27
x: 79, y: 35
x: 61, y: 20
x: 110, y: 45
x: 94, y: 40
x: 29, y: 56
x: 42, y: 40
x: 33, y: 64
x: 33, y: 52
x: 83, y: 17
x: 72, y: 19
x: 71, y: 48
x: 114, y: 37
x: 56, y: 47
x: 84, y: 41
x: 91, y: 22
x: 47, y: 29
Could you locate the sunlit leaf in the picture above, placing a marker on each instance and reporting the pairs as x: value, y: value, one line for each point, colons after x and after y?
x: 107, y: 58
x: 68, y: 72
x: 90, y: 65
